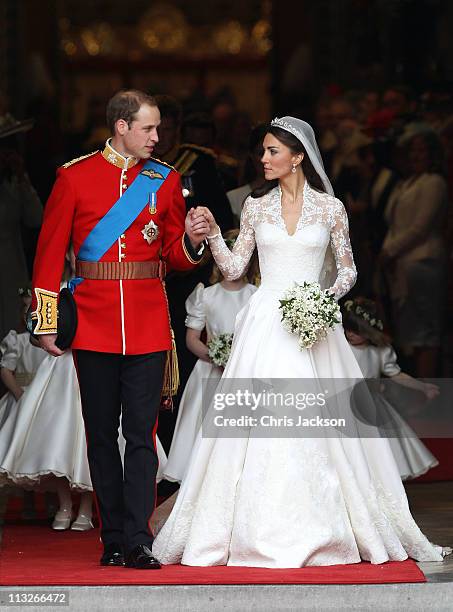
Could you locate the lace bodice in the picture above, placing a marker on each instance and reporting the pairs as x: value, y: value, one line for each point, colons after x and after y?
x: 287, y: 258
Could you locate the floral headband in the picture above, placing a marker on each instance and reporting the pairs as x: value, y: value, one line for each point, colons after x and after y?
x: 358, y: 310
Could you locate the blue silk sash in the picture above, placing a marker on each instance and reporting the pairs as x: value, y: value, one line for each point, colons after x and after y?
x: 122, y: 214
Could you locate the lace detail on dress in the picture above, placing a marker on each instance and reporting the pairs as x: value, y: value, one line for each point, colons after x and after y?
x: 283, y: 501
x: 170, y: 549
x: 319, y: 211
x: 399, y: 519
x: 354, y: 520
x: 341, y: 247
x: 232, y: 264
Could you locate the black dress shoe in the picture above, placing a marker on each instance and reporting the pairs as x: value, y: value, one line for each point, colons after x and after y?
x: 113, y: 555
x: 141, y: 557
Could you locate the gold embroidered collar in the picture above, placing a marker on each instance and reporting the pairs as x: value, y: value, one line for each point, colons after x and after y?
x: 118, y: 160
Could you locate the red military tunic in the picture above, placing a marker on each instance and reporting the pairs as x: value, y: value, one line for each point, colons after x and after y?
x: 115, y: 316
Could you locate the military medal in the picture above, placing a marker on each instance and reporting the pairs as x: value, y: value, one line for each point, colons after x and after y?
x: 152, y: 203
x: 150, y: 232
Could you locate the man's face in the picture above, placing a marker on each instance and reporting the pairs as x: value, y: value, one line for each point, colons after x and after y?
x: 139, y: 139
x: 168, y: 135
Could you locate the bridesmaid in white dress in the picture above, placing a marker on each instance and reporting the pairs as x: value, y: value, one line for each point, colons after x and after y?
x: 42, y: 436
x: 19, y: 361
x: 290, y: 502
x: 212, y: 308
x: 376, y: 358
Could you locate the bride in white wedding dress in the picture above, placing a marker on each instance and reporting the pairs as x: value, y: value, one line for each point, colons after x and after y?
x: 290, y: 502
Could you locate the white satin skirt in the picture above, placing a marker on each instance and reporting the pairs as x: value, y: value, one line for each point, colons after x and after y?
x: 290, y: 502
x: 189, y: 419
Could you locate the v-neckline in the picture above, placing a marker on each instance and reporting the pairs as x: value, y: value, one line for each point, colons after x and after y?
x: 304, y: 190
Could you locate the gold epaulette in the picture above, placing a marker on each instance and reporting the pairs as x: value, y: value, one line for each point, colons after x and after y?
x: 199, y: 148
x: 77, y: 159
x: 186, y: 161
x: 228, y: 160
x: 159, y: 161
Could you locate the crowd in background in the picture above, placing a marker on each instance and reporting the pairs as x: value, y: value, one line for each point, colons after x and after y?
x: 389, y: 155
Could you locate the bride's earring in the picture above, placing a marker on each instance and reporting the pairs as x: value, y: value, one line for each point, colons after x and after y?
x: 293, y: 169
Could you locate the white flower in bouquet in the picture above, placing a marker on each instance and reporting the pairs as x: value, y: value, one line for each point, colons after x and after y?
x: 219, y: 348
x: 309, y: 312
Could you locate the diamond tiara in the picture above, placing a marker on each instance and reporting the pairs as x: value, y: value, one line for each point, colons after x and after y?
x: 288, y: 127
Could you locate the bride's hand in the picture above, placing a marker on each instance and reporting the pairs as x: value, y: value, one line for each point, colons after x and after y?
x: 207, y: 214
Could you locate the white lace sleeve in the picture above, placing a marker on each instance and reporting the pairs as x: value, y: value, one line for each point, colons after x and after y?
x: 233, y: 264
x: 341, y: 247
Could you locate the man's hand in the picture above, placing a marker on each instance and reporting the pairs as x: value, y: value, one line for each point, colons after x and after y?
x: 196, y: 226
x: 47, y: 343
x: 202, y: 211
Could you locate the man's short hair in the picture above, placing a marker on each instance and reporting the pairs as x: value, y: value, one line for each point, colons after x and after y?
x: 169, y: 107
x: 125, y: 105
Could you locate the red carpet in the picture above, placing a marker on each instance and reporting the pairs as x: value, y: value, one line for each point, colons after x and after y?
x: 442, y: 449
x: 37, y: 556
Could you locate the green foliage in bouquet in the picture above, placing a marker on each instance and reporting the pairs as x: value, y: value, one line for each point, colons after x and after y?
x: 309, y: 312
x: 219, y: 348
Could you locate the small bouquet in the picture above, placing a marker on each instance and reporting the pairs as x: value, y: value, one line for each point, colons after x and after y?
x: 309, y: 312
x: 219, y: 348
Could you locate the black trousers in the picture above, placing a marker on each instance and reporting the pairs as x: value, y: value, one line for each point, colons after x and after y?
x: 129, y: 385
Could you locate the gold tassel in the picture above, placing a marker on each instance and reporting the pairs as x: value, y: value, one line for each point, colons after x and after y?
x: 171, y: 376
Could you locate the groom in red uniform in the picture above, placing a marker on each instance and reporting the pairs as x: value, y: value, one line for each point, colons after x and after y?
x: 124, y: 213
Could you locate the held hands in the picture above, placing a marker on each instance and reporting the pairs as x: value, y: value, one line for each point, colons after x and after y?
x: 47, y: 343
x: 196, y: 227
x: 202, y: 212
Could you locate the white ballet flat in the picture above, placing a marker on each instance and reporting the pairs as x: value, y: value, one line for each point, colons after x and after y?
x: 62, y: 520
x: 82, y: 523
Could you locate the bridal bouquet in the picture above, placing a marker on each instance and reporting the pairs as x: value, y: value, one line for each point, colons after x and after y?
x: 309, y: 312
x: 219, y: 348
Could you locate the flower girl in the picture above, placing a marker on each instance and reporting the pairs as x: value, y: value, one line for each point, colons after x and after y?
x: 19, y: 361
x: 376, y: 357
x: 44, y: 446
x: 213, y: 309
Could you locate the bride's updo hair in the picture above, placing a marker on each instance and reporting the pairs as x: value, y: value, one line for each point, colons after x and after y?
x: 297, y: 148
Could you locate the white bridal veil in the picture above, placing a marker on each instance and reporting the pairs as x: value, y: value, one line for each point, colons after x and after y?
x: 306, y: 135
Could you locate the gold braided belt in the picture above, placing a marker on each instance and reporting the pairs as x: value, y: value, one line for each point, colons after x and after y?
x: 120, y: 270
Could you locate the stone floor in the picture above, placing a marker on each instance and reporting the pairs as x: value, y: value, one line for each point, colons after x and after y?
x: 432, y: 507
